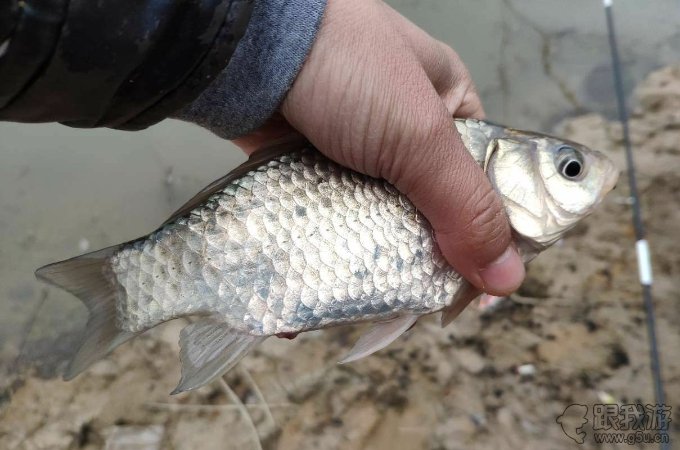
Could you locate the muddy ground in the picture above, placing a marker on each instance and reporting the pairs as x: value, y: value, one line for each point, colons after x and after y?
x: 578, y: 320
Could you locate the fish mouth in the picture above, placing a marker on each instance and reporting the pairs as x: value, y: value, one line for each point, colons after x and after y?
x: 611, y: 178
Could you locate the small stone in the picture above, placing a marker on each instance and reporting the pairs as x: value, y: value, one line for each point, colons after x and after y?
x: 605, y: 397
x: 83, y: 244
x: 471, y: 361
x: 104, y: 368
x: 479, y: 419
x: 135, y: 438
x: 445, y: 371
x: 526, y: 370
x: 505, y: 417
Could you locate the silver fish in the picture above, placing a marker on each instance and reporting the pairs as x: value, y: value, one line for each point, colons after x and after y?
x: 291, y: 241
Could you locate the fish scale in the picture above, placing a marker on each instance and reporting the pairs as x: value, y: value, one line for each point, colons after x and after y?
x: 291, y: 241
x: 282, y: 254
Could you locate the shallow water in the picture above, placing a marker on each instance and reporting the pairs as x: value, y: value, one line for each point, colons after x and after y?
x: 64, y: 191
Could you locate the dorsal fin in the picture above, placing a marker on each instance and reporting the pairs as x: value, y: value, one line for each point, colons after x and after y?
x: 258, y: 158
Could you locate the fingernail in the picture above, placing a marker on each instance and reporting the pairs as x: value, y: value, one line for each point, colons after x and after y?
x: 505, y: 274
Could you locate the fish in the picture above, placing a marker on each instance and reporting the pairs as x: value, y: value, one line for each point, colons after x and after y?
x: 291, y: 241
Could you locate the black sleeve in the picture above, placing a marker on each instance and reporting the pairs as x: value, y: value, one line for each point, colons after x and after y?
x: 123, y: 64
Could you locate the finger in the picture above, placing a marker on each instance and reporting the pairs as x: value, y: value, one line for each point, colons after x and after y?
x: 450, y: 78
x: 443, y: 67
x: 437, y: 64
x: 465, y: 103
x: 458, y: 92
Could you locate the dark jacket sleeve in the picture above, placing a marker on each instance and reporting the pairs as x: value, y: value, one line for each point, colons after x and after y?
x: 128, y: 64
x: 264, y: 66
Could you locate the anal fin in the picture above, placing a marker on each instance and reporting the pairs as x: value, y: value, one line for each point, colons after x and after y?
x: 379, y: 336
x: 208, y: 349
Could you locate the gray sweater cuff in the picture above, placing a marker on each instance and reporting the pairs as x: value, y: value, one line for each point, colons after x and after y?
x: 262, y: 69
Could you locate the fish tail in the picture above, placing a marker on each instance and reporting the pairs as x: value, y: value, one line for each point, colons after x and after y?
x: 86, y: 277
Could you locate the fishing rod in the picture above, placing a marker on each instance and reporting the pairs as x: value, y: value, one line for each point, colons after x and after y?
x: 641, y: 245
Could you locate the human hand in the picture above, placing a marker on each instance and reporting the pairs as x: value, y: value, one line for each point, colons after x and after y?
x: 377, y: 94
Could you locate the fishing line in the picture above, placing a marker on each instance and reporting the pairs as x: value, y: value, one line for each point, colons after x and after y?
x: 641, y: 246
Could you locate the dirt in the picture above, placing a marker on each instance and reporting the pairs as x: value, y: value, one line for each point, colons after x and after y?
x: 574, y: 333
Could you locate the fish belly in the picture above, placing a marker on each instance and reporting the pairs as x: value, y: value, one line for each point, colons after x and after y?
x: 296, y: 245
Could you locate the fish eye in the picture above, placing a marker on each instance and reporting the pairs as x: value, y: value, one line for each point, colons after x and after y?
x: 569, y: 163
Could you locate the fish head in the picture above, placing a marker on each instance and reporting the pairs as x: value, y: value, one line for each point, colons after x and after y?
x: 547, y: 184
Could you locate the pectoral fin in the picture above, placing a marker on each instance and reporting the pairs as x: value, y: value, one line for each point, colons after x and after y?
x: 208, y: 349
x: 466, y: 294
x: 379, y: 336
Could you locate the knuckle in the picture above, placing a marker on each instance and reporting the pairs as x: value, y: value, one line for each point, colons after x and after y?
x: 459, y: 73
x: 450, y: 54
